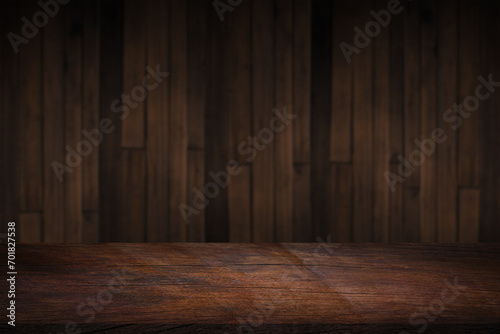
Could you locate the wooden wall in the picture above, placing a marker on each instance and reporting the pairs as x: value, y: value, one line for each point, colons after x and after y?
x: 323, y: 175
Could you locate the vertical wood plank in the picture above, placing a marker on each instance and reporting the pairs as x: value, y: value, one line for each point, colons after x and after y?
x: 73, y: 218
x: 302, y: 226
x: 396, y: 134
x: 340, y: 202
x: 469, y: 207
x: 428, y: 121
x: 490, y: 166
x: 341, y: 119
x: 469, y: 68
x: 446, y: 174
x: 302, y: 123
x: 411, y: 119
x: 283, y: 164
x: 412, y: 88
x: 216, y: 125
x: 263, y: 103
x: 90, y: 228
x: 178, y: 139
x: 157, y: 122
x: 110, y: 78
x: 196, y: 173
x: 30, y: 120
x: 30, y: 227
x: 9, y: 126
x: 240, y: 228
x: 381, y: 132
x: 396, y: 214
x: 412, y: 215
x: 321, y: 48
x: 239, y: 102
x: 134, y: 54
x: 134, y: 174
x: 363, y: 135
x: 53, y: 129
x: 196, y: 92
x: 90, y: 107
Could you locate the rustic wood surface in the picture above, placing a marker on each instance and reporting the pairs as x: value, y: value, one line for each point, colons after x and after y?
x: 260, y: 288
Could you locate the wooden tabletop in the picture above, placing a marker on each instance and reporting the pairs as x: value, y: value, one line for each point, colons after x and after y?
x: 256, y: 288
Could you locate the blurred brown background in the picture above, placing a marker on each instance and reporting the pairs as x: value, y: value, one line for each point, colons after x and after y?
x: 323, y: 175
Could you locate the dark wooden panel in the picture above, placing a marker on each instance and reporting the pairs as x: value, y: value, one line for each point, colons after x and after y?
x: 321, y: 80
x: 412, y: 214
x: 133, y: 195
x: 216, y: 126
x: 428, y: 121
x: 446, y: 174
x: 157, y: 152
x: 302, y: 123
x: 490, y: 118
x: 238, y: 82
x: 90, y: 114
x: 363, y: 134
x: 30, y: 227
x: 286, y: 284
x: 30, y: 120
x: 283, y: 149
x: 240, y: 210
x: 73, y: 211
x: 263, y: 200
x: 381, y: 132
x: 355, y: 120
x: 469, y: 67
x: 134, y: 61
x: 412, y: 96
x: 178, y: 133
x: 53, y: 130
x: 342, y: 84
x: 468, y: 204
x: 110, y: 78
x: 340, y: 204
x: 396, y: 135
x: 302, y: 223
x: 196, y: 100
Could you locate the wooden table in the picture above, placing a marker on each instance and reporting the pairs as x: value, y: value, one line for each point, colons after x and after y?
x: 256, y: 288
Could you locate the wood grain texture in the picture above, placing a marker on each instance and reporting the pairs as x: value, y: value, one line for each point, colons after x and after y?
x: 73, y: 34
x: 469, y: 68
x: 53, y: 129
x: 342, y: 76
x: 321, y: 81
x: 134, y: 63
x: 428, y: 121
x: 302, y: 219
x: 263, y: 53
x: 363, y: 135
x: 212, y: 288
x: 178, y: 126
x: 447, y: 89
x: 111, y: 87
x: 381, y: 132
x: 283, y: 148
x: 30, y: 122
x: 468, y: 205
x: 157, y: 150
x: 90, y: 110
x: 238, y: 78
x: 226, y: 76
